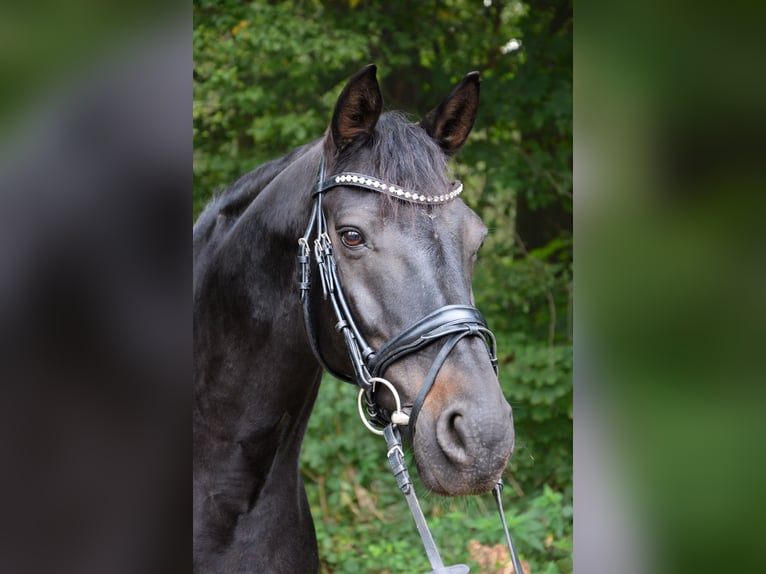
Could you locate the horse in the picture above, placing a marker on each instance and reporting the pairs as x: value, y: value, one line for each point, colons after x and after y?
x: 394, y: 251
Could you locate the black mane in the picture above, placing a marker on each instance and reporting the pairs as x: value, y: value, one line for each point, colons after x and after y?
x: 233, y: 200
x: 399, y: 152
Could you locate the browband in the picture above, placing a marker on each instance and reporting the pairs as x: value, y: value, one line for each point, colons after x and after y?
x: 373, y: 184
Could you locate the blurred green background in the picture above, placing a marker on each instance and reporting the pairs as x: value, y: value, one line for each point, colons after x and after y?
x: 266, y: 77
x: 670, y: 108
x: 671, y: 321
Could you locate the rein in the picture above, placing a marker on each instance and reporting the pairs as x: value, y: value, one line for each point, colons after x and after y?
x: 450, y: 324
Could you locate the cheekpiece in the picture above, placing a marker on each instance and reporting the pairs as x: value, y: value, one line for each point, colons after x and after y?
x: 373, y: 184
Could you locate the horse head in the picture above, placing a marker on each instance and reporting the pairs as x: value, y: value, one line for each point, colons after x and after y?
x: 404, y: 244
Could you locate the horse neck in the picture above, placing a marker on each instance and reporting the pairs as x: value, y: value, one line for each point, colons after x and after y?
x: 253, y: 362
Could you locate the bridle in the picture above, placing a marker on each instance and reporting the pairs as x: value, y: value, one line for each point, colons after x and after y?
x: 450, y: 324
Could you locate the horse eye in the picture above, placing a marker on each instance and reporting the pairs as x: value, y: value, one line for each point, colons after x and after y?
x: 351, y: 238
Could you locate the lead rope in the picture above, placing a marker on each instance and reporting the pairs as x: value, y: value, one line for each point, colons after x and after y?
x: 514, y: 556
x: 395, y: 457
x: 399, y: 469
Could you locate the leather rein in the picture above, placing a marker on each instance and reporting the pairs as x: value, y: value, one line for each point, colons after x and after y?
x: 450, y: 324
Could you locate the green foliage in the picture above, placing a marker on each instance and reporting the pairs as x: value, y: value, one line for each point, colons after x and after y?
x: 258, y: 68
x: 537, y: 381
x: 266, y: 77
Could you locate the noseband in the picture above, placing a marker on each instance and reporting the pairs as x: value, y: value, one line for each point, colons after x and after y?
x: 450, y: 323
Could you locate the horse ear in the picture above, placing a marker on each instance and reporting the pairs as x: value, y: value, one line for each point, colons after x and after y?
x: 358, y: 108
x: 451, y: 121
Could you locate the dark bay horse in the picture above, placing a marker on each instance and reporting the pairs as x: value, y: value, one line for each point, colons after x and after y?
x: 404, y: 245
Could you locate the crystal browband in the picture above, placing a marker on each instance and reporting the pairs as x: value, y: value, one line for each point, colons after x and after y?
x: 367, y: 182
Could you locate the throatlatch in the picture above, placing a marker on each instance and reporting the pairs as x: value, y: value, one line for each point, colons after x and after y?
x: 450, y: 324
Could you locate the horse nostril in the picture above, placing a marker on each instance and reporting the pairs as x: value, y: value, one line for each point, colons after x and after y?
x: 455, y: 423
x: 451, y: 436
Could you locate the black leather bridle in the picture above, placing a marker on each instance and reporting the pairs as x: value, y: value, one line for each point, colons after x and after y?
x: 450, y: 324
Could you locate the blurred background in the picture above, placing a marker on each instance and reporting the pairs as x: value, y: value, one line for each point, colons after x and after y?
x: 95, y: 322
x: 669, y: 316
x: 266, y: 79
